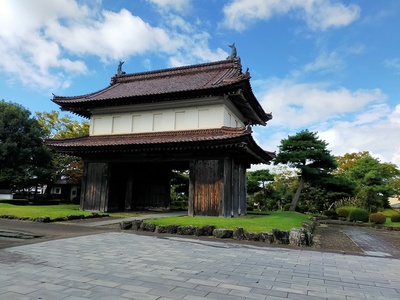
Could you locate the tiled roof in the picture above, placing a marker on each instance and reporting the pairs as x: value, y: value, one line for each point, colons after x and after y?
x: 197, y: 81
x: 150, y: 138
x: 212, y: 138
x: 174, y: 80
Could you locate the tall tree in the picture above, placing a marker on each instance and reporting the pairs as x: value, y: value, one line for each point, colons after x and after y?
x: 56, y: 126
x: 307, y: 153
x: 23, y: 157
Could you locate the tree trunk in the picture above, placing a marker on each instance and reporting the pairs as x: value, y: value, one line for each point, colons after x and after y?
x: 297, y: 195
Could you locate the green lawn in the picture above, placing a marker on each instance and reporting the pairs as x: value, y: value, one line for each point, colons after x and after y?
x: 53, y: 211
x: 34, y: 211
x: 283, y: 220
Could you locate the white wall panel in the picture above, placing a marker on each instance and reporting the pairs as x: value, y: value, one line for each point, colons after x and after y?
x: 167, y: 119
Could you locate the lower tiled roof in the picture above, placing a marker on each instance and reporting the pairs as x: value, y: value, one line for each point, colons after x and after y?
x: 150, y: 138
x: 181, y: 140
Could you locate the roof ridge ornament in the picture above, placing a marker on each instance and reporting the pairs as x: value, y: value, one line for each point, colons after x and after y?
x: 119, y: 70
x: 233, y: 52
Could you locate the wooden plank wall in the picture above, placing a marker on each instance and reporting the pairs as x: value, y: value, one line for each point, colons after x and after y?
x: 204, y: 190
x: 217, y: 188
x: 94, y: 194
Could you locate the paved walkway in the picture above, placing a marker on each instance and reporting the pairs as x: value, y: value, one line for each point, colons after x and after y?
x: 370, y: 243
x: 124, y: 265
x: 141, y: 217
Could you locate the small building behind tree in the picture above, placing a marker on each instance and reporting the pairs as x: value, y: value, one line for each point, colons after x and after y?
x: 144, y: 125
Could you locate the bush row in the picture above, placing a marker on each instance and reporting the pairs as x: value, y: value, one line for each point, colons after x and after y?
x: 359, y: 215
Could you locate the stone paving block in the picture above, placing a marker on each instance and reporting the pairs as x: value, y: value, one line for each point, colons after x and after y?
x: 203, y: 282
x: 50, y: 295
x: 223, y: 297
x: 187, y: 291
x: 134, y: 288
x: 303, y: 297
x: 247, y: 295
x: 79, y: 298
x: 269, y: 292
x: 235, y: 287
x: 20, y: 289
x: 139, y: 296
x: 78, y: 292
x: 50, y: 287
x: 183, y: 284
x: 213, y: 289
x: 103, y: 264
x: 104, y: 283
x: 14, y: 296
x: 191, y: 297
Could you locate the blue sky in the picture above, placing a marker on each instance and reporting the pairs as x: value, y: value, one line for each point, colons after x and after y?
x: 329, y: 66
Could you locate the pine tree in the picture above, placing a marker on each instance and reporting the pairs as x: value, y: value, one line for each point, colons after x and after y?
x: 306, y: 152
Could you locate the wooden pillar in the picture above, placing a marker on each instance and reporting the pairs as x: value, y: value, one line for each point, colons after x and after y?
x: 128, y: 191
x: 94, y: 194
x: 226, y: 183
x: 192, y: 179
x: 242, y: 190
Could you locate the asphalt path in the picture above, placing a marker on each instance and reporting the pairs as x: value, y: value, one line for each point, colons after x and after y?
x: 17, y: 232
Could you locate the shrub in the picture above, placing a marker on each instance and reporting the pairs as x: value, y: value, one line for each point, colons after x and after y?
x: 377, y: 218
x: 286, y: 207
x: 331, y: 213
x: 359, y: 214
x: 395, y: 218
x: 343, y: 212
x: 250, y: 208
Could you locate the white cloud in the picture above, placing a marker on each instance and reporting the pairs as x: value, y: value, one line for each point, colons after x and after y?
x: 380, y: 137
x: 302, y: 104
x: 176, y: 5
x: 116, y: 35
x: 26, y: 51
x: 349, y: 121
x: 318, y: 14
x: 45, y: 45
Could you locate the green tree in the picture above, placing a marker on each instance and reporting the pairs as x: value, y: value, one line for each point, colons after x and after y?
x: 348, y: 160
x: 285, y: 184
x: 375, y: 181
x: 24, y: 160
x: 305, y: 152
x: 55, y: 126
x: 323, y: 193
x: 258, y: 185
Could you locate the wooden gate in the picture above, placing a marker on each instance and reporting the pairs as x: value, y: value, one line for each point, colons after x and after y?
x: 94, y: 193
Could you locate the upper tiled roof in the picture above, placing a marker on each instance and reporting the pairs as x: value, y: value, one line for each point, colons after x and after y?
x: 174, y: 80
x: 216, y: 78
x: 151, y: 141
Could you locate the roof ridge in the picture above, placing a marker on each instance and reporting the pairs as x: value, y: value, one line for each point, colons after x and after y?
x: 178, y: 70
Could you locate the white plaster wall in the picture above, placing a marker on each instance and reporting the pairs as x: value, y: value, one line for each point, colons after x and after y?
x: 151, y: 119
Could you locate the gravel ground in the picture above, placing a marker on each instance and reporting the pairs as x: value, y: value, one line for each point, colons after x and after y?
x: 332, y: 238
